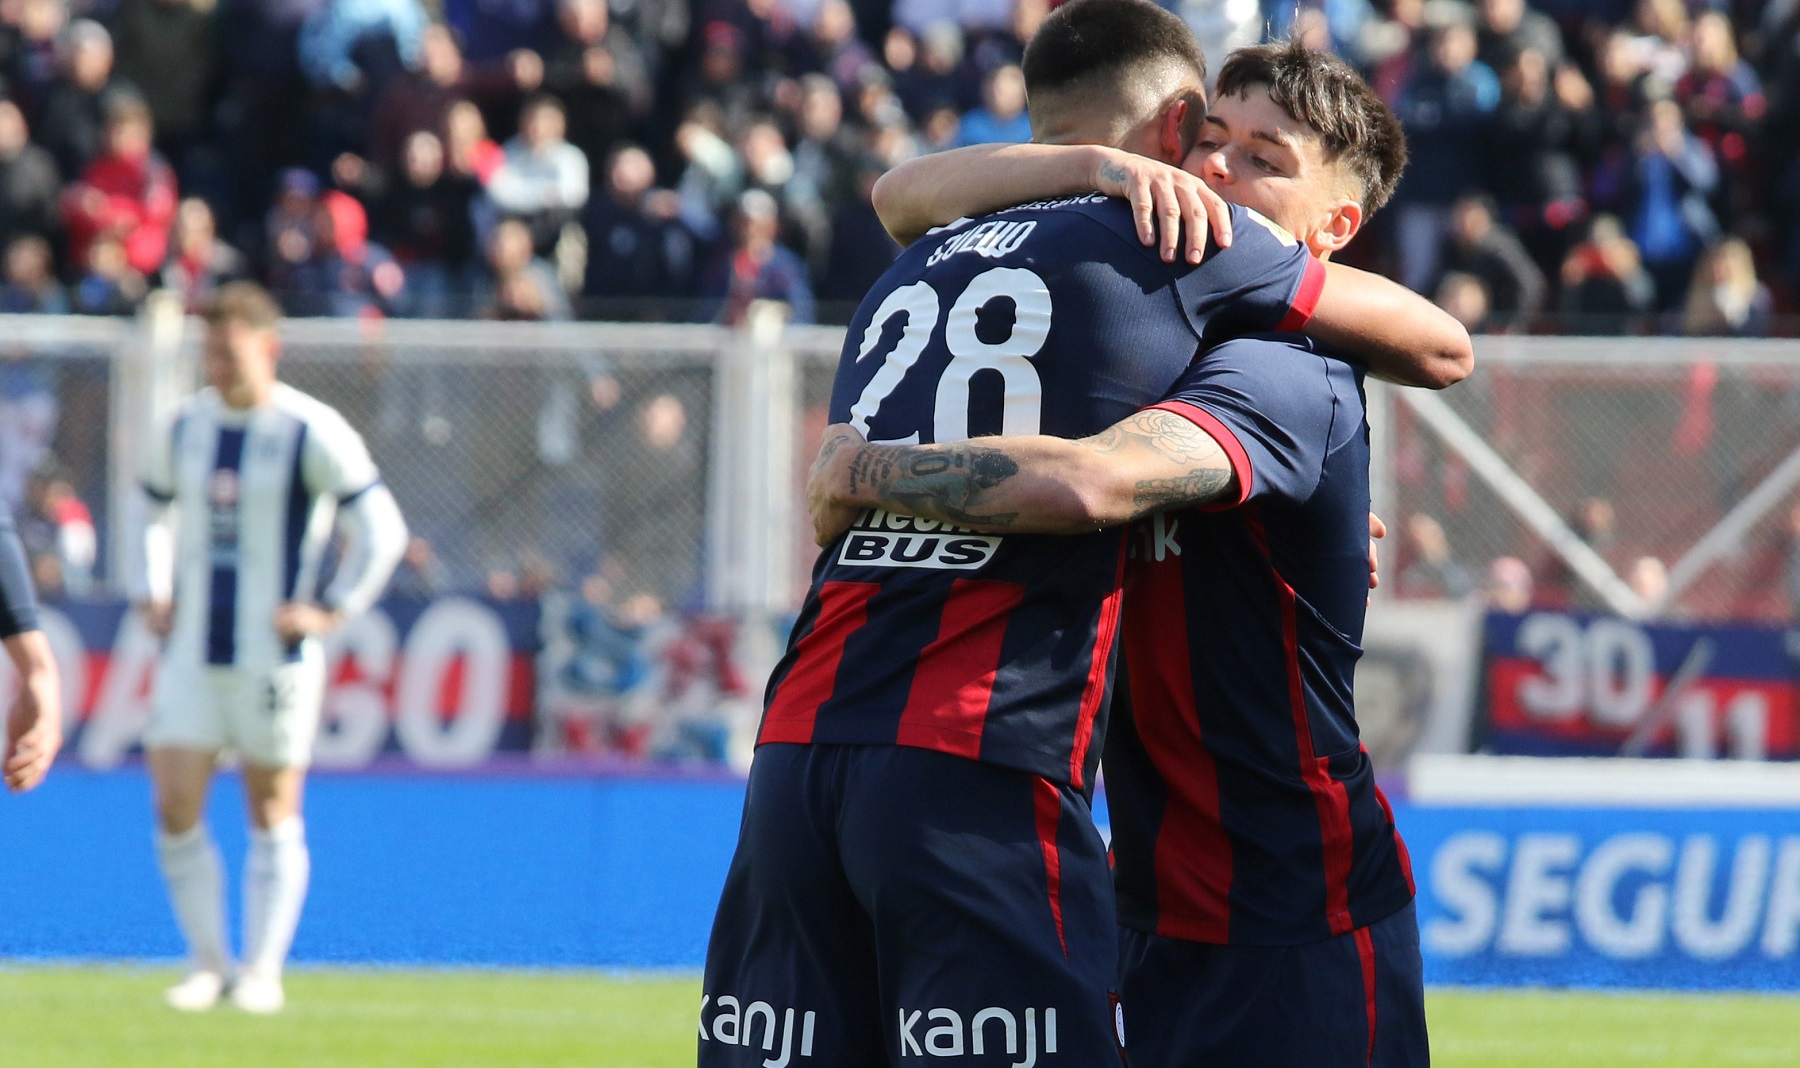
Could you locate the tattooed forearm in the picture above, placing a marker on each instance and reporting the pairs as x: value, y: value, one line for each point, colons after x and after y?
x: 1112, y: 172
x: 942, y: 483
x: 1197, y: 485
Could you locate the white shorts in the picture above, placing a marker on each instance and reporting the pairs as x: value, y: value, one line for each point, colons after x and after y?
x: 269, y: 716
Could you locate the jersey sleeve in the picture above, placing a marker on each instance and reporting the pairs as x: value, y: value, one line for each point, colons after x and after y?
x: 1270, y: 405
x: 18, y: 601
x: 337, y: 463
x: 1267, y: 281
x: 158, y: 474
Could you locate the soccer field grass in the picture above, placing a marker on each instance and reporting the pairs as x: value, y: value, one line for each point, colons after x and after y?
x: 94, y: 1017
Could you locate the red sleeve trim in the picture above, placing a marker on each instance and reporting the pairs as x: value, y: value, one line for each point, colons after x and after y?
x: 1306, y: 298
x: 1240, y: 460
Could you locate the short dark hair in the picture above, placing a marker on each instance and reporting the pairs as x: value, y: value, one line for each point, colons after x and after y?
x: 1323, y: 92
x: 243, y: 302
x: 1085, y: 38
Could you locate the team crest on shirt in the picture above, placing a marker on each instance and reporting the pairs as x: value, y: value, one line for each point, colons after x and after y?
x: 222, y: 489
x: 883, y: 539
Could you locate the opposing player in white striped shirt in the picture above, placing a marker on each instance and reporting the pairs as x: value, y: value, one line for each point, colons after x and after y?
x: 245, y: 488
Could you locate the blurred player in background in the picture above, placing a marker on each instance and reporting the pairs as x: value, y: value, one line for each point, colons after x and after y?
x: 917, y: 851
x: 1264, y: 893
x: 34, y: 723
x: 244, y: 489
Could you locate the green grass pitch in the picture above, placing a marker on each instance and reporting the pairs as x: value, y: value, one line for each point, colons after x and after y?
x: 102, y: 1017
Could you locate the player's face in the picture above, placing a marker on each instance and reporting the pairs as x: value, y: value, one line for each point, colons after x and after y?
x: 1253, y: 153
x: 240, y: 362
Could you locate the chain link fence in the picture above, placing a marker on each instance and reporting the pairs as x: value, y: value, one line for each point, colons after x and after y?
x: 1663, y: 457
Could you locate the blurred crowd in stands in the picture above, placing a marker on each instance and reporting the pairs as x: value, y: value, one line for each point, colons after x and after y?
x: 1586, y: 166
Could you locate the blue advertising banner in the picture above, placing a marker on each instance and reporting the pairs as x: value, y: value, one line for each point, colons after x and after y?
x: 1703, y: 898
x: 1567, y: 684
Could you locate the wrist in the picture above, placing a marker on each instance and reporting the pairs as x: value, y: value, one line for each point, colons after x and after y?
x: 1100, y: 160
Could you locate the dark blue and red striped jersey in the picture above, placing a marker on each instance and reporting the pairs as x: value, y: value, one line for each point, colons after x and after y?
x: 1244, y: 807
x: 1048, y: 318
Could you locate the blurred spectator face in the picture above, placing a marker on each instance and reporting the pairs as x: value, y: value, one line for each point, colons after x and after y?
x: 440, y: 56
x: 632, y: 174
x: 1714, y: 49
x: 1667, y: 128
x: 1621, y: 61
x: 28, y: 262
x: 941, y: 49
x: 467, y: 130
x: 758, y: 220
x: 1471, y: 220
x: 900, y: 50
x: 1425, y: 536
x: 1729, y: 265
x: 325, y: 230
x: 1528, y: 77
x: 1594, y: 521
x: 1465, y: 298
x: 766, y: 155
x: 1311, y: 29
x: 1004, y: 92
x: 128, y: 136
x: 1667, y: 19
x: 940, y: 127
x: 13, y: 134
x: 585, y: 21
x: 834, y: 24
x: 1649, y: 578
x: 106, y: 258
x: 722, y: 56
x: 1502, y: 16
x: 42, y: 20
x: 661, y: 421
x: 509, y: 248
x: 424, y: 159
x: 1509, y: 585
x: 821, y: 108
x: 1453, y: 48
x: 502, y: 584
x: 543, y: 124
x: 194, y: 227
x: 1027, y: 16
x: 90, y: 55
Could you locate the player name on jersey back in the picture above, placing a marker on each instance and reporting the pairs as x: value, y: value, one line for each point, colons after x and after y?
x: 883, y: 539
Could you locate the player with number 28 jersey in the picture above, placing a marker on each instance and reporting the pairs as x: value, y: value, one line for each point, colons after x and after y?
x: 940, y: 638
x: 918, y: 872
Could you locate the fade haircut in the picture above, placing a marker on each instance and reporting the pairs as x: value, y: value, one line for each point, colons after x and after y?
x: 243, y: 302
x: 1358, y: 131
x: 1086, y: 40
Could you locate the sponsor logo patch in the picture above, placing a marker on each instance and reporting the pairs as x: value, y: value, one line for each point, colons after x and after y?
x: 883, y: 539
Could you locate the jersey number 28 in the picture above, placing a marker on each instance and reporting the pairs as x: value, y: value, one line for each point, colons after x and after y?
x: 1023, y: 392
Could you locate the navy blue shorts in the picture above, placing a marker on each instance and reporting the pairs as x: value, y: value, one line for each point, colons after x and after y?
x: 887, y: 904
x: 1357, y: 999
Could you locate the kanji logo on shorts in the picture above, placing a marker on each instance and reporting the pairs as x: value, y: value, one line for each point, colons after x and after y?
x: 735, y: 1024
x: 944, y: 1033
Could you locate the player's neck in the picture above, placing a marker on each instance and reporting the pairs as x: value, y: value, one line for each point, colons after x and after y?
x: 248, y: 398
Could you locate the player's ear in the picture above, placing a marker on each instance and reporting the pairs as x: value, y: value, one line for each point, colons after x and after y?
x: 1343, y: 220
x: 1173, y: 137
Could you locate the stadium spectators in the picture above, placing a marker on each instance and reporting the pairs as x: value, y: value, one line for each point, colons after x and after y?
x: 31, y: 286
x: 30, y: 188
x: 128, y: 192
x: 199, y: 263
x: 1683, y: 121
x: 1445, y: 107
x: 1481, y: 247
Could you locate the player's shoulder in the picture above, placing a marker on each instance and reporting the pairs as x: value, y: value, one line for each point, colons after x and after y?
x: 310, y: 410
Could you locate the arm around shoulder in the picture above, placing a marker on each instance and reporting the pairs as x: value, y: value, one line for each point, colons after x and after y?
x: 1400, y: 335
